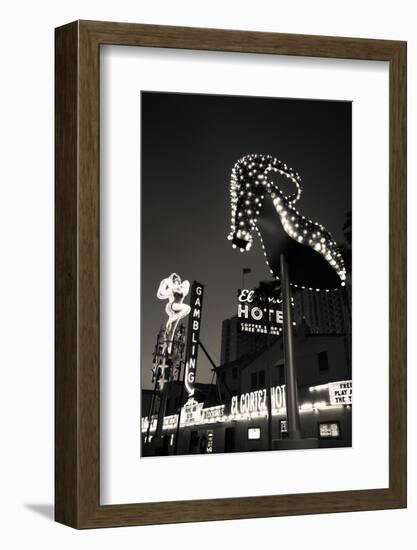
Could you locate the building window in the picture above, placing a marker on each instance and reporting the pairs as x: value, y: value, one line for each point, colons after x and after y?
x: 258, y: 380
x: 234, y: 373
x: 323, y: 361
x: 281, y: 374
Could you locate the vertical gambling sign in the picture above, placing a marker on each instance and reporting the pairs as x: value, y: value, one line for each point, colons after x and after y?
x: 193, y: 335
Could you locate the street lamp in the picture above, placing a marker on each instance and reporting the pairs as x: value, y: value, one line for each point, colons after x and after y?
x: 299, y: 252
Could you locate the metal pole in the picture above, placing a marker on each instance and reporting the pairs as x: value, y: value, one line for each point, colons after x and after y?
x: 177, y: 431
x: 265, y: 290
x: 291, y: 390
x: 161, y: 413
x: 151, y: 408
x: 206, y: 353
x: 268, y: 366
x: 269, y: 389
x: 214, y: 367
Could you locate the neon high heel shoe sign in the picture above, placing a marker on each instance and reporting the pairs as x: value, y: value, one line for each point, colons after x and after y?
x: 306, y: 243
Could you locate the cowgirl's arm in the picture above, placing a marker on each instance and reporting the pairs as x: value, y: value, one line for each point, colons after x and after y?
x: 185, y: 288
x: 165, y: 289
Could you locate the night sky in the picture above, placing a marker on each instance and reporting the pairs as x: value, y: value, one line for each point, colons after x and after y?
x: 190, y: 143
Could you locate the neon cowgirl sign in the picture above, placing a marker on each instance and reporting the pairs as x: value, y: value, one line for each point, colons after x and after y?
x: 174, y: 290
x: 257, y: 401
x: 194, y: 323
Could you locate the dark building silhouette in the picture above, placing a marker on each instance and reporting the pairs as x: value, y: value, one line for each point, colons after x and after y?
x: 236, y: 344
x: 324, y: 312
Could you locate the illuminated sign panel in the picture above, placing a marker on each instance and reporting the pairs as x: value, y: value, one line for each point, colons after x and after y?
x: 340, y: 393
x: 254, y: 433
x: 194, y: 323
x: 329, y: 430
x: 256, y: 312
x: 213, y: 414
x: 191, y: 413
x: 256, y: 401
x: 170, y: 421
x: 210, y: 440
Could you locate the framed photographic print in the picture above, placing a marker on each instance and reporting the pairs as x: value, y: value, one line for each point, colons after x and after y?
x: 230, y: 274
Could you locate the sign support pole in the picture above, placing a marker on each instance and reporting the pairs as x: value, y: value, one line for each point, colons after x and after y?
x: 151, y: 409
x: 266, y: 295
x: 293, y: 413
x: 177, y: 431
x: 296, y: 439
x: 162, y: 409
x: 268, y: 351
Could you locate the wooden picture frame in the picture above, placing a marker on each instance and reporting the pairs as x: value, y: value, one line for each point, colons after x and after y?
x: 77, y: 404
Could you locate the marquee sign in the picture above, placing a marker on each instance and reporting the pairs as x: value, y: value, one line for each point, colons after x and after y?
x: 257, y: 312
x: 191, y: 413
x: 256, y: 401
x: 340, y: 393
x: 213, y: 414
x: 193, y: 334
x: 254, y: 404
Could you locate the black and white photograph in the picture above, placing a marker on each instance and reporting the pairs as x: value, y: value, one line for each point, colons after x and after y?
x: 246, y: 309
x: 209, y: 255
